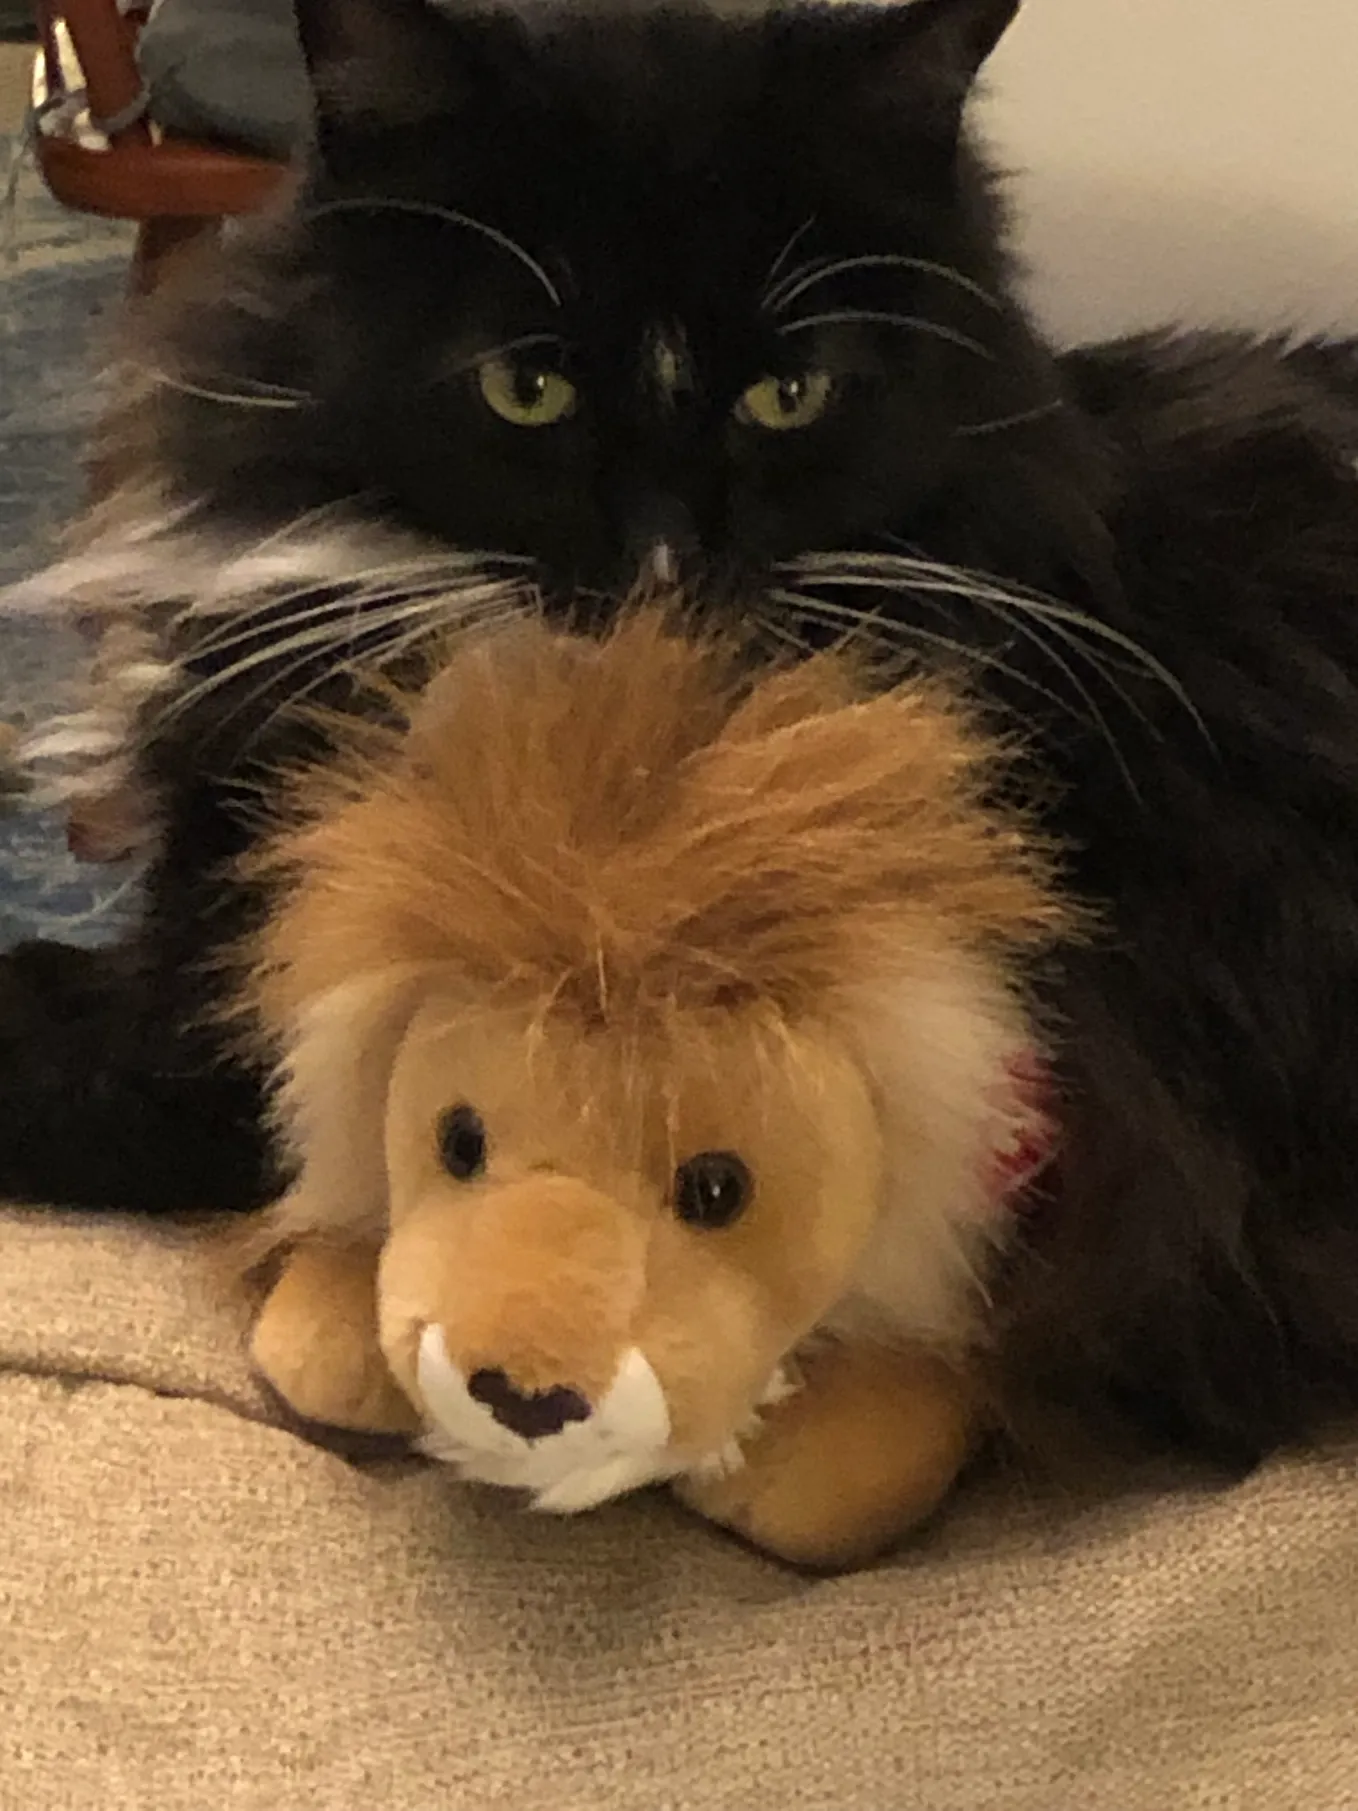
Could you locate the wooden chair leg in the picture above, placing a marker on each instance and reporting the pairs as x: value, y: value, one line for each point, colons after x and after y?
x: 159, y: 242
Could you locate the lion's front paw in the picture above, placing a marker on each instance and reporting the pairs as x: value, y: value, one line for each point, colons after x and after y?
x: 315, y: 1343
x: 800, y: 1514
x: 843, y: 1470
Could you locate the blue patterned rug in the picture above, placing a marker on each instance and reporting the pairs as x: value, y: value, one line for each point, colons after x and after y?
x: 60, y: 274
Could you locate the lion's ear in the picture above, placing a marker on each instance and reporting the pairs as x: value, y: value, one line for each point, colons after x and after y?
x: 331, y: 1104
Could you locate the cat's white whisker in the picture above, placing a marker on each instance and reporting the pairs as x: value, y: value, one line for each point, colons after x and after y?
x: 891, y: 633
x: 868, y: 569
x: 393, y: 204
x: 385, y: 587
x: 881, y: 317
x: 1000, y: 424
x: 351, y: 620
x: 274, y: 637
x: 790, y: 245
x: 1029, y: 631
x: 264, y: 620
x: 310, y: 642
x: 766, y: 624
x: 272, y: 613
x: 1013, y: 612
x: 350, y: 647
x: 492, y: 618
x: 513, y: 608
x: 906, y: 572
x: 797, y: 282
x: 270, y: 397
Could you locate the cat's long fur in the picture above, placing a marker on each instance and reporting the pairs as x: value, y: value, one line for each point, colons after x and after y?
x: 1146, y: 552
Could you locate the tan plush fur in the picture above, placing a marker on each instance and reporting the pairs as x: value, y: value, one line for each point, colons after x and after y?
x: 633, y: 905
x: 319, y: 1343
x: 572, y: 1250
x: 868, y: 1447
x: 649, y: 831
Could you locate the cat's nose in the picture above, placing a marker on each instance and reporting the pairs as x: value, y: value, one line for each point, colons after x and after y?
x: 662, y: 539
x: 531, y: 1414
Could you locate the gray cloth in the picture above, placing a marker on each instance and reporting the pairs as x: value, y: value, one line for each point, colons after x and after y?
x: 227, y: 70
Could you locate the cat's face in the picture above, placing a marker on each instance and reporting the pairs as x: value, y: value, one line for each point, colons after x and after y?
x: 632, y: 287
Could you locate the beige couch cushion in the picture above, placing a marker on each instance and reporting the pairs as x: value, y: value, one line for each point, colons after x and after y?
x: 200, y: 1612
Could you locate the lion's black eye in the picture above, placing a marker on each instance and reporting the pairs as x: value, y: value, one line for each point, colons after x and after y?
x: 712, y: 1189
x: 462, y: 1143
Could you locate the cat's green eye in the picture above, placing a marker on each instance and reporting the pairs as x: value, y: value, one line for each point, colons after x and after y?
x: 780, y: 403
x: 526, y: 395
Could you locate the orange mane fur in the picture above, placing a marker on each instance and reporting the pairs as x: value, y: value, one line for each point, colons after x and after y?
x: 634, y: 824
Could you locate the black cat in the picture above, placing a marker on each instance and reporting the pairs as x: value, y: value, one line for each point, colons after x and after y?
x: 590, y: 291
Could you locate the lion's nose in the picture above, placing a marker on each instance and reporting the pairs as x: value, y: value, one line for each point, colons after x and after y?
x: 531, y: 1414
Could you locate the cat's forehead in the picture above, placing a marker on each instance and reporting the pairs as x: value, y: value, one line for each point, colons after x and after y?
x: 657, y: 161
x: 676, y: 246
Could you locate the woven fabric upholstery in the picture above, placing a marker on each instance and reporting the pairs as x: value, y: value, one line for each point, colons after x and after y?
x: 197, y: 1609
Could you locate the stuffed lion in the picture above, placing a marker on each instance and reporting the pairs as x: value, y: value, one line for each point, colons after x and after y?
x: 654, y: 1053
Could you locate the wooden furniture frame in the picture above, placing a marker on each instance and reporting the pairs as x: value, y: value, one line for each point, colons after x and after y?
x: 178, y: 189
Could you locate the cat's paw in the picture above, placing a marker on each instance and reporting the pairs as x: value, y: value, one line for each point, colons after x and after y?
x: 107, y: 1103
x: 44, y: 983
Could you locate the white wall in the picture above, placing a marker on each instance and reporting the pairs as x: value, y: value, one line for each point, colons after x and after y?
x: 1192, y: 158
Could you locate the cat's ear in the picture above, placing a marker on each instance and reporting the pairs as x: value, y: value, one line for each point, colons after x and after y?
x: 927, y: 55
x: 951, y: 39
x: 376, y: 62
